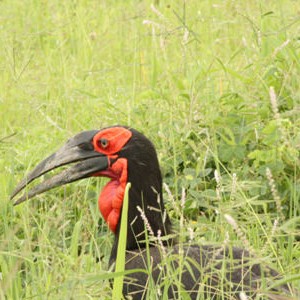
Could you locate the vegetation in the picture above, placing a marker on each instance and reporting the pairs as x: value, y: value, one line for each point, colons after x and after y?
x: 214, y: 84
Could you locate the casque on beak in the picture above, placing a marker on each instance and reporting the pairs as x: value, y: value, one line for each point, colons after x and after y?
x: 78, y: 150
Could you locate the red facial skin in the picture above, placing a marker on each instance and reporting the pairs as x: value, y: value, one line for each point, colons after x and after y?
x: 109, y: 142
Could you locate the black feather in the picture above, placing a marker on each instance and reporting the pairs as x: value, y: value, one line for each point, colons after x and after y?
x: 211, y: 271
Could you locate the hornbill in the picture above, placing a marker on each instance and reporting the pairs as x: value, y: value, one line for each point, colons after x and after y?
x: 125, y: 155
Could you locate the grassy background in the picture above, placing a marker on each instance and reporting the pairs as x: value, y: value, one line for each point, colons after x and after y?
x: 195, y: 77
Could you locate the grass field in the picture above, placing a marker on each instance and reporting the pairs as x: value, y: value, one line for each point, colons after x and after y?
x: 214, y: 84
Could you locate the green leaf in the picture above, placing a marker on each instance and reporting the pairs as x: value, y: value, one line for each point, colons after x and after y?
x: 121, y: 254
x: 75, y: 239
x: 229, y: 153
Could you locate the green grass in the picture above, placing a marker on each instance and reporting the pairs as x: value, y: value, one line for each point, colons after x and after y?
x: 196, y: 79
x: 121, y: 253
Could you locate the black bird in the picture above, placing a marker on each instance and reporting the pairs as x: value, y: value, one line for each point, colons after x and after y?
x: 199, y: 271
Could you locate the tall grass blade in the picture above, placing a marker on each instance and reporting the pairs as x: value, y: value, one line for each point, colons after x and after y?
x: 120, y: 261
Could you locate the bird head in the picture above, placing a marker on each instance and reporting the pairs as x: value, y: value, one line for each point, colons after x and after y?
x: 122, y: 154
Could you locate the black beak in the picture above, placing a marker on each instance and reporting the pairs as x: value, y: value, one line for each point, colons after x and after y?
x: 78, y: 149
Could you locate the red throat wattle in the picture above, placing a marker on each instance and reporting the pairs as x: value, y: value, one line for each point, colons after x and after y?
x: 109, y: 142
x: 111, y: 198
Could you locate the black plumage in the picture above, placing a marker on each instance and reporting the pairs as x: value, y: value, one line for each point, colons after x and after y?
x: 165, y: 268
x: 213, y: 271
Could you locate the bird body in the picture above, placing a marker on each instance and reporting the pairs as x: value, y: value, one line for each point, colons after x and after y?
x: 209, y: 270
x: 200, y: 271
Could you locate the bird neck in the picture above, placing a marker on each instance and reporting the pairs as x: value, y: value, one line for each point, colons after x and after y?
x: 146, y: 213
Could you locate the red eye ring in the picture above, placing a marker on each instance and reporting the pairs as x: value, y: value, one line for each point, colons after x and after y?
x: 103, y: 143
x: 111, y: 140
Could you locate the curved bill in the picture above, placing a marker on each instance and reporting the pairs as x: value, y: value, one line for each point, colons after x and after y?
x: 78, y: 149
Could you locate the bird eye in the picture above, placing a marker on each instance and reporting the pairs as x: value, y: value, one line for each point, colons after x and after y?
x: 103, y: 143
